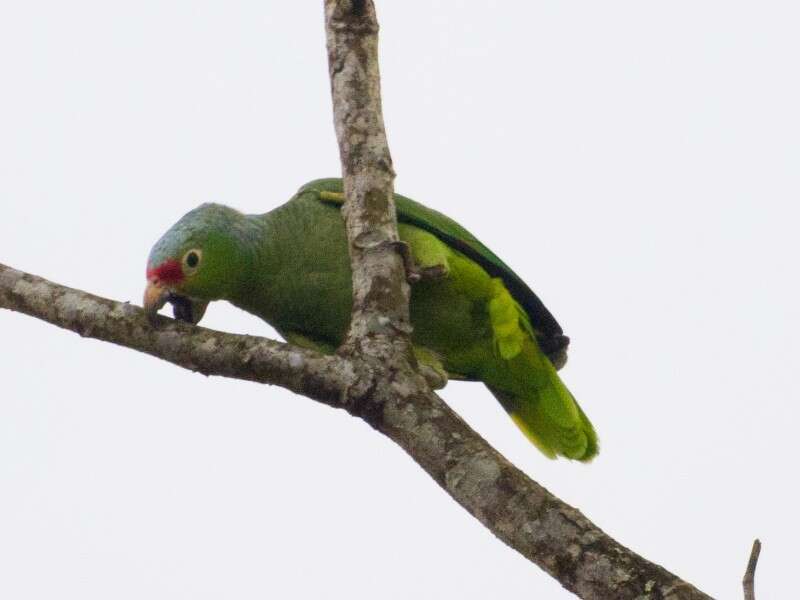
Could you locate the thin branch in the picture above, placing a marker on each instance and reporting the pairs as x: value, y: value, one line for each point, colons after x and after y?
x: 749, y: 580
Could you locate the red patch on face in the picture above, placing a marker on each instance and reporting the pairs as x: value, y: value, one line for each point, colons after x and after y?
x: 167, y: 272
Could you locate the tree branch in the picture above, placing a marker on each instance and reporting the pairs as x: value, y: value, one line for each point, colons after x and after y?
x: 517, y: 510
x: 373, y: 378
x: 380, y: 321
x: 520, y: 512
x: 749, y: 580
x: 327, y: 379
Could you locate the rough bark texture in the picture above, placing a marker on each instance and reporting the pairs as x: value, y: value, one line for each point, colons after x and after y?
x: 749, y: 579
x: 380, y: 322
x: 324, y: 378
x: 517, y: 510
x: 372, y: 377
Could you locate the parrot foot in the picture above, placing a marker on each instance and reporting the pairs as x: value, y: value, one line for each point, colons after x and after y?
x: 414, y: 272
x: 435, y: 379
x: 431, y: 368
x: 433, y: 273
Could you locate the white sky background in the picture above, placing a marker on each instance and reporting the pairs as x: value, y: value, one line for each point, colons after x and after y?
x: 635, y: 162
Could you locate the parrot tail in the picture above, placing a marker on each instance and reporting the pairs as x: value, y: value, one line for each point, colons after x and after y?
x: 544, y: 409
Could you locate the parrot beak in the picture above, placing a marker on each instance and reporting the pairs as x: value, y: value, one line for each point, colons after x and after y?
x: 155, y: 296
x: 183, y: 308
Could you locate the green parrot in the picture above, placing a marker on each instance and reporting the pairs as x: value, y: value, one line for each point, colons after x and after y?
x: 473, y: 317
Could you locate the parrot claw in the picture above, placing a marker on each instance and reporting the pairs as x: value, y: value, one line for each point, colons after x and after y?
x: 435, y: 378
x: 415, y: 273
x: 433, y: 273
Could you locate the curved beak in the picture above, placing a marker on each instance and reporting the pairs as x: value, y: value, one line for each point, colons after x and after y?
x: 155, y: 296
x: 183, y: 308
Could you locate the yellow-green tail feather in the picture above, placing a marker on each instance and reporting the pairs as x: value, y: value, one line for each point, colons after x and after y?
x: 534, y: 416
x: 544, y: 409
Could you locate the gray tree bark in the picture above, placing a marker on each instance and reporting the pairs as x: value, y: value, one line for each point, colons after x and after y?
x: 374, y: 375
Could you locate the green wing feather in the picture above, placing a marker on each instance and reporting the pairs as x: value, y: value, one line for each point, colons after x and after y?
x: 549, y: 335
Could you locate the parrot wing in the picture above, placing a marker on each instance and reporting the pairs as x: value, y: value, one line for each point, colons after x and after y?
x: 549, y: 334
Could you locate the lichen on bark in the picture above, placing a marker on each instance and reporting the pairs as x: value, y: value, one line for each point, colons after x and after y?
x: 372, y: 376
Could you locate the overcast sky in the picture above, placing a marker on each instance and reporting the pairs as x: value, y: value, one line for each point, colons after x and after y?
x: 635, y: 162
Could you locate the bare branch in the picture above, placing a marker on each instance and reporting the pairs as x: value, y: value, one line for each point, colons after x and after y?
x: 749, y: 580
x: 374, y: 379
x: 380, y: 323
x: 520, y: 512
x: 517, y: 510
x: 324, y: 378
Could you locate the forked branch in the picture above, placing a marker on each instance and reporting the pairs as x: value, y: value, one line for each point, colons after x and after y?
x: 373, y: 377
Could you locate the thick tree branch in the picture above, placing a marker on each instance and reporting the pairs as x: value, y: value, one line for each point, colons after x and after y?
x: 516, y: 509
x: 327, y: 379
x: 380, y: 322
x: 372, y: 378
x: 520, y: 512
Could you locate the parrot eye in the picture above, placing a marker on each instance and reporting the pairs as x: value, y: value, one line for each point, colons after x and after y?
x: 191, y: 259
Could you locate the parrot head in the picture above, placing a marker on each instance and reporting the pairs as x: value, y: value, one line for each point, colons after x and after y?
x: 195, y: 261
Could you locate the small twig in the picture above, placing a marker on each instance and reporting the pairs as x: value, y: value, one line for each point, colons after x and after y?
x: 748, y: 582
